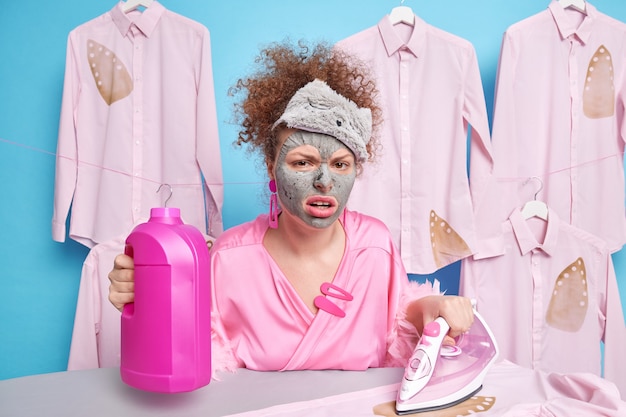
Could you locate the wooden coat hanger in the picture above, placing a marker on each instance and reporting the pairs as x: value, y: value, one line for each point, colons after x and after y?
x: 131, y: 5
x: 402, y: 14
x: 574, y: 4
x: 535, y: 208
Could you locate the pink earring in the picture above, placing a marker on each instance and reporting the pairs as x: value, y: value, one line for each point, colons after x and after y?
x: 273, y: 205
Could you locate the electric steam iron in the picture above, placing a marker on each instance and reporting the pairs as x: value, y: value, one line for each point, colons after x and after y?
x: 437, y: 376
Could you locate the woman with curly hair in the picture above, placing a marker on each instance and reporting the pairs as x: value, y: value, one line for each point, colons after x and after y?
x: 311, y: 285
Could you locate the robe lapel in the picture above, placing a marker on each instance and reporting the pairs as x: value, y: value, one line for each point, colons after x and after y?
x: 301, y: 358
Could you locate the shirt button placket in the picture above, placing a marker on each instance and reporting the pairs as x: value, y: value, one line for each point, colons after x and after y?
x: 405, y: 165
x: 537, y: 307
x: 575, y: 95
x: 137, y: 129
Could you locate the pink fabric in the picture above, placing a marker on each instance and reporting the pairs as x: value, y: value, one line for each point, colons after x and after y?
x: 546, y: 122
x: 518, y: 390
x: 159, y: 126
x: 542, y: 266
x: 96, y: 333
x: 431, y: 91
x: 265, y: 324
x: 508, y: 391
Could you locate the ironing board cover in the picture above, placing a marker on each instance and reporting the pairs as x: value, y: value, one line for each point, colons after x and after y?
x: 508, y: 391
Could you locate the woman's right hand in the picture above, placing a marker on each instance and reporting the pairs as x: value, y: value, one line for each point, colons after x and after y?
x: 122, y: 277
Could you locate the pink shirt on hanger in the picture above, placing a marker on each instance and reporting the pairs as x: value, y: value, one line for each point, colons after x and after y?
x: 559, y: 115
x: 430, y: 91
x: 550, y: 296
x: 138, y: 111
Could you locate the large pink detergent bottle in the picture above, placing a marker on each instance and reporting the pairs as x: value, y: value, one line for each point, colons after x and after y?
x: 166, y: 332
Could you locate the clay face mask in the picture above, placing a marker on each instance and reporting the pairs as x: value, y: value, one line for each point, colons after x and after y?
x: 313, y: 182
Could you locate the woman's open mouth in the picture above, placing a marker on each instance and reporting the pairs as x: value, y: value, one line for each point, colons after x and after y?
x: 320, y: 206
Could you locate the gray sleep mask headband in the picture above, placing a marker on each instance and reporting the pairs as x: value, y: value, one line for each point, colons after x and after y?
x: 318, y: 108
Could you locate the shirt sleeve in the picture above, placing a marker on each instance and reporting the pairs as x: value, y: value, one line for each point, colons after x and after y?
x: 614, y: 331
x: 66, y: 157
x: 475, y: 114
x: 485, y: 195
x: 504, y: 111
x: 207, y: 140
x: 622, y: 103
x: 84, y: 346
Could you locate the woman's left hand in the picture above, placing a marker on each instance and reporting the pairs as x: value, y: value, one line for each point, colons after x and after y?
x: 457, y: 311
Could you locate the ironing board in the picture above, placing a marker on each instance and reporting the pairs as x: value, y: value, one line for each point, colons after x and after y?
x: 510, y: 390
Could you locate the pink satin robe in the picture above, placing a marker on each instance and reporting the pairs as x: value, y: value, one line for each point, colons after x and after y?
x: 261, y: 323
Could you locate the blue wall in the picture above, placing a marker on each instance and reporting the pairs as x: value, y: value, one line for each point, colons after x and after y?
x: 38, y: 277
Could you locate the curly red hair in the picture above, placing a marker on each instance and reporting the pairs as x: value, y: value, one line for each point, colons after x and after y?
x: 284, y: 68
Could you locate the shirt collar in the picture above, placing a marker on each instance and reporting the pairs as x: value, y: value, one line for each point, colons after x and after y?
x: 146, y: 22
x: 526, y: 239
x: 567, y: 27
x: 392, y: 40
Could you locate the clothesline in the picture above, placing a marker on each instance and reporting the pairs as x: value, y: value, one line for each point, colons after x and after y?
x: 46, y: 152
x: 558, y: 171
x: 498, y: 179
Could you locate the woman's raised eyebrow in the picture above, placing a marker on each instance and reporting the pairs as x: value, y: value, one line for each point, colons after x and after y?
x: 306, y: 154
x: 342, y: 155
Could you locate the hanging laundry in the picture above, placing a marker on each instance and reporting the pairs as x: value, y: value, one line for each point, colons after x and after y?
x: 138, y: 111
x: 549, y: 293
x: 559, y: 84
x: 431, y: 92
